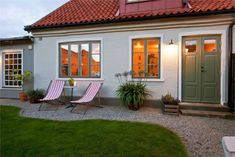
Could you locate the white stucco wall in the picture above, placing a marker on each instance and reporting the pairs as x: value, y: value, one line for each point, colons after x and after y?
x: 116, y: 58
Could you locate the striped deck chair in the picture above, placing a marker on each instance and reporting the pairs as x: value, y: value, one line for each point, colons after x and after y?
x: 54, y: 92
x: 91, y: 92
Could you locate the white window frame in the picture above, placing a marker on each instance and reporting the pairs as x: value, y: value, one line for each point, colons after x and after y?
x: 13, y: 51
x: 161, y: 79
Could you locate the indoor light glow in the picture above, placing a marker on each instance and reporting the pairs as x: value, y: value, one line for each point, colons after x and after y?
x: 138, y: 46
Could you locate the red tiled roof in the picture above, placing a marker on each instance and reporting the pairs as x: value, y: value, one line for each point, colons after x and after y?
x: 95, y: 11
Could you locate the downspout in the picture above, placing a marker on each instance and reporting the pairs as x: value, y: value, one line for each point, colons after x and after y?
x: 230, y: 68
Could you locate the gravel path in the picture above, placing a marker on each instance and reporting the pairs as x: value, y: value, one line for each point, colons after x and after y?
x: 202, y: 136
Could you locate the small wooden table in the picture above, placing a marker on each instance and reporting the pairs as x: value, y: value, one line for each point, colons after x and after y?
x: 71, y: 93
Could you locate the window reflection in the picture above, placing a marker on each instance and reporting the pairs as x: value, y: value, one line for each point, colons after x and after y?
x: 80, y: 59
x: 64, y: 60
x: 74, y: 60
x: 85, y: 60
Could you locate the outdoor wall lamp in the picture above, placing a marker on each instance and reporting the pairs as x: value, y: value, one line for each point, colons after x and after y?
x: 171, y: 47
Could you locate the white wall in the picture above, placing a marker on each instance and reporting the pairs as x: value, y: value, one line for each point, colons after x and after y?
x: 116, y: 53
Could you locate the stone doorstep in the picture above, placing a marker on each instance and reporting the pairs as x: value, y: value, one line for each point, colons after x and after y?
x: 219, y: 114
x: 203, y: 107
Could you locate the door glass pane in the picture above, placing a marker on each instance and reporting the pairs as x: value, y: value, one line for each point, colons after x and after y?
x: 64, y: 60
x: 210, y: 45
x: 191, y: 46
x: 74, y: 60
x: 85, y: 60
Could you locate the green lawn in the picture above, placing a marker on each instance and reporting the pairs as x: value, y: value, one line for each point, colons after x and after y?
x: 27, y: 137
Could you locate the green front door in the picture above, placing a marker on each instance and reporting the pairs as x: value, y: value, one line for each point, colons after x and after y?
x: 201, y: 69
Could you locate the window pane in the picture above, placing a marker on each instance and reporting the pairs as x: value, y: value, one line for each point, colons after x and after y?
x: 95, y: 71
x: 191, y: 46
x: 74, y: 60
x: 153, y: 58
x: 138, y: 58
x: 85, y: 60
x: 95, y: 59
x: 153, y: 71
x: 138, y: 46
x: 64, y: 60
x: 210, y: 45
x: 95, y: 48
x: 138, y: 71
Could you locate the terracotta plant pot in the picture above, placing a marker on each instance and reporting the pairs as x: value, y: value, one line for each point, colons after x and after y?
x: 23, y: 96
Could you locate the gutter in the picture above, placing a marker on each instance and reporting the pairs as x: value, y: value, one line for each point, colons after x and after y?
x: 30, y: 28
x: 231, y: 64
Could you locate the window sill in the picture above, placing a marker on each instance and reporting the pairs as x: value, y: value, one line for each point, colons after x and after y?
x: 83, y: 79
x: 7, y: 88
x: 149, y: 80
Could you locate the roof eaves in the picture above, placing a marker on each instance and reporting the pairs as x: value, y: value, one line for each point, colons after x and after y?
x: 30, y: 28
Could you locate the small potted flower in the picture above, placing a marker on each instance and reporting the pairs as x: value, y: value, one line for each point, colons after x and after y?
x: 22, y: 78
x: 71, y: 81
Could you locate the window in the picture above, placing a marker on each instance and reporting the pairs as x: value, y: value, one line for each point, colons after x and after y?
x: 12, y: 65
x: 80, y: 59
x: 146, y: 58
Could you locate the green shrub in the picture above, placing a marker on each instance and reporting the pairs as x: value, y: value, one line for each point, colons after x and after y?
x: 35, y: 95
x: 131, y: 93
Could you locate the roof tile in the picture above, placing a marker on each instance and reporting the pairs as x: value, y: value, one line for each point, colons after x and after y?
x: 88, y: 11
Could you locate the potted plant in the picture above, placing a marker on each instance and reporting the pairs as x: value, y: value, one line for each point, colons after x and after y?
x: 170, y: 104
x: 71, y: 81
x: 35, y: 95
x: 22, y: 78
x: 131, y: 93
x: 169, y: 100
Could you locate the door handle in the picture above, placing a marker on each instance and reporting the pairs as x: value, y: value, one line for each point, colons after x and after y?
x: 203, y: 69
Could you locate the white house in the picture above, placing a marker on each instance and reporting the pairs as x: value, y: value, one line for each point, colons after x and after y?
x: 181, y: 45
